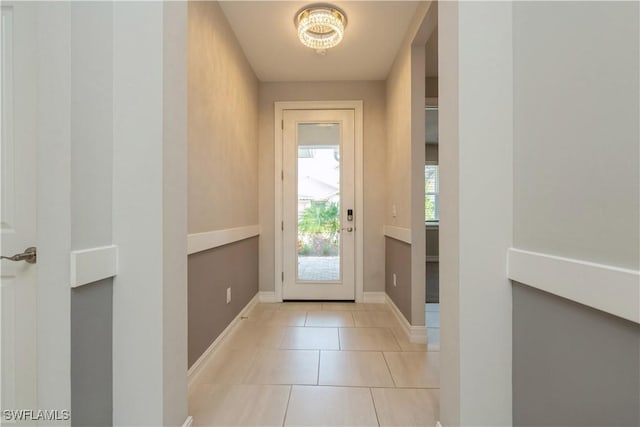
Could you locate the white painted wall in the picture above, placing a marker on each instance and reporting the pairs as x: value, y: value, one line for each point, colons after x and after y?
x: 54, y: 201
x: 449, y: 231
x: 476, y: 130
x: 577, y: 155
x: 149, y: 218
x: 91, y: 124
x: 148, y: 63
x: 174, y: 216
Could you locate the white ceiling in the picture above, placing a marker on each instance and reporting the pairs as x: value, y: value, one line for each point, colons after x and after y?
x: 267, y: 34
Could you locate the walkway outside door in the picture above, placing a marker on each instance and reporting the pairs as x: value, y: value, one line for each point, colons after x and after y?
x: 318, y: 205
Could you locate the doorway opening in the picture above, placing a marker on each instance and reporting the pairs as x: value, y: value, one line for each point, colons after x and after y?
x: 432, y: 193
x: 318, y: 200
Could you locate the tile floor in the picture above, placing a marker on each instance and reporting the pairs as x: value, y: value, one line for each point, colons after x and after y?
x: 315, y: 364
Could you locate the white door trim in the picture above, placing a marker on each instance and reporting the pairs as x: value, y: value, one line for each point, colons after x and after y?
x: 357, y: 107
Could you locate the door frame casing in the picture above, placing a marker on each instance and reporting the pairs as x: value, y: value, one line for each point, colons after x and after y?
x: 357, y: 107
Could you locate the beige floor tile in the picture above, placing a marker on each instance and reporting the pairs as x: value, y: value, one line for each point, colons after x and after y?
x: 351, y: 306
x: 255, y: 335
x: 227, y: 366
x: 407, y: 407
x: 240, y: 405
x: 287, y: 318
x: 414, y: 369
x: 330, y: 319
x: 262, y: 307
x: 259, y: 315
x: 247, y: 379
x: 301, y: 306
x: 354, y: 368
x: 267, y: 306
x: 262, y: 310
x: 374, y: 319
x: 403, y: 340
x: 368, y: 339
x: 311, y: 339
x: 342, y: 306
x: 375, y: 307
x: 330, y: 406
x: 284, y: 367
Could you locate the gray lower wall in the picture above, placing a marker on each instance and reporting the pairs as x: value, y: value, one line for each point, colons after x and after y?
x: 91, y: 202
x: 432, y: 282
x: 398, y: 261
x: 91, y: 354
x: 210, y: 274
x: 432, y: 277
x: 572, y: 365
x: 431, y: 149
x: 432, y: 241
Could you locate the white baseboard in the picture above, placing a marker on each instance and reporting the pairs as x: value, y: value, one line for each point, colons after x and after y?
x: 607, y: 288
x: 416, y: 334
x: 267, y: 297
x: 195, y: 369
x: 188, y: 422
x: 374, y: 297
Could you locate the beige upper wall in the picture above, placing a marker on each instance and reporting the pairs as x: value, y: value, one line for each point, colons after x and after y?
x: 398, y: 182
x: 372, y: 93
x: 222, y: 125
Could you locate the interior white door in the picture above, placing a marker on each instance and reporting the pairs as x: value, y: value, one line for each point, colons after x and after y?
x: 318, y: 205
x: 18, y: 206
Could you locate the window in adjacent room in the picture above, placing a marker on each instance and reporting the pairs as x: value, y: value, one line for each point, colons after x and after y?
x: 431, y: 190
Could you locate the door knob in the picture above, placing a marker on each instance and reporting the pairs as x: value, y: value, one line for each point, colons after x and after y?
x: 349, y: 229
x: 29, y: 255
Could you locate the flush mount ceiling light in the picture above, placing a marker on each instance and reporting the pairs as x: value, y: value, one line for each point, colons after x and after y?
x: 320, y: 26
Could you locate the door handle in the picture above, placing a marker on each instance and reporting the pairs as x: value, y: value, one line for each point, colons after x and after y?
x: 29, y: 255
x: 349, y: 229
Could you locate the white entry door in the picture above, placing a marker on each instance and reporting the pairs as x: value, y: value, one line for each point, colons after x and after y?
x: 318, y: 205
x: 18, y: 301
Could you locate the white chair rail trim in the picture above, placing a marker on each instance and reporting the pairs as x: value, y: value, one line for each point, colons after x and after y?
x: 607, y: 288
x: 93, y: 264
x: 398, y: 233
x: 199, y: 242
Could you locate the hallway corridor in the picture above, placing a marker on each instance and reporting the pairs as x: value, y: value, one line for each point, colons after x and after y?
x: 318, y: 364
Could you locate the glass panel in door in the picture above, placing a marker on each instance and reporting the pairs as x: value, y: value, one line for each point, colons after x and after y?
x: 318, y: 197
x: 318, y: 233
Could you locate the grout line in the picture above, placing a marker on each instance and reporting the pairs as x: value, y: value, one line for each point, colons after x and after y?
x: 389, y: 369
x: 395, y: 338
x: 323, y: 385
x: 375, y: 410
x: 318, y: 374
x: 286, y: 410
